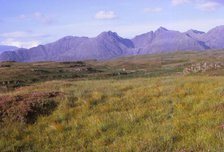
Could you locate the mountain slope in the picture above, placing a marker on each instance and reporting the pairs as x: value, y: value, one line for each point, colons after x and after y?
x: 214, y: 38
x: 110, y: 45
x: 4, y: 48
x: 107, y: 45
x: 163, y: 40
x: 142, y: 40
x: 195, y: 34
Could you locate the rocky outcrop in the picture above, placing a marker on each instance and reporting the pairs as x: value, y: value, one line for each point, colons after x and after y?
x: 202, y: 67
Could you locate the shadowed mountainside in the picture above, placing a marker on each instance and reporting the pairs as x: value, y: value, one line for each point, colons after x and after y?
x: 4, y: 48
x: 110, y: 45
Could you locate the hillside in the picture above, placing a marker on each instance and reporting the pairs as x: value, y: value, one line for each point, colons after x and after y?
x: 160, y: 102
x: 14, y: 74
x: 4, y: 48
x: 106, y: 45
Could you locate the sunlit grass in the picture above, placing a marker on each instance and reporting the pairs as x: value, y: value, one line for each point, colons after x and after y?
x: 145, y: 114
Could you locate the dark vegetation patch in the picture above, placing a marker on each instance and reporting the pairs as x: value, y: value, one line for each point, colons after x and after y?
x: 14, y: 74
x: 26, y: 108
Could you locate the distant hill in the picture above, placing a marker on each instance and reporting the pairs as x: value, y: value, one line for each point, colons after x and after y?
x: 108, y: 45
x: 4, y: 48
x: 163, y: 40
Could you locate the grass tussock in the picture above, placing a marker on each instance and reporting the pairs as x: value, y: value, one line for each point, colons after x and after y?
x: 146, y: 114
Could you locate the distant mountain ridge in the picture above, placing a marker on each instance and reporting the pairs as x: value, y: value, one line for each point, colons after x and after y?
x: 108, y: 45
x: 4, y: 48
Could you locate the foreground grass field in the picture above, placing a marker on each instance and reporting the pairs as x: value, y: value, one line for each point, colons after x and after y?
x: 179, y: 113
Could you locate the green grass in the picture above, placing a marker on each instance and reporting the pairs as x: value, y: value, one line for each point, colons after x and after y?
x: 149, y: 106
x: 165, y: 64
x: 171, y: 113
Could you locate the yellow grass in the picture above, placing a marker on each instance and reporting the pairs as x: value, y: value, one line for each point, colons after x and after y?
x: 144, y: 114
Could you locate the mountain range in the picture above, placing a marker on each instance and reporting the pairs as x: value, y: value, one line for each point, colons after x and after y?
x: 4, y: 48
x: 108, y: 45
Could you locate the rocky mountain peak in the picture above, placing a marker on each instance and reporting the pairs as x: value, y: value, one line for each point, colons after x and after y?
x: 161, y: 29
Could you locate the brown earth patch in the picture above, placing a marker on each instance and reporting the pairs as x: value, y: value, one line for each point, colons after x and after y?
x: 26, y: 108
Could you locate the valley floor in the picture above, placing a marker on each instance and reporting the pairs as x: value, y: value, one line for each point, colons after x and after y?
x: 179, y: 113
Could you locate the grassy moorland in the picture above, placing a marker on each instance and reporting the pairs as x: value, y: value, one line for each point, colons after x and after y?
x: 139, y: 110
x: 159, y: 114
x: 21, y: 74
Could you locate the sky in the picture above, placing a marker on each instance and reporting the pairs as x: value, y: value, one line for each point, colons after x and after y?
x: 28, y: 23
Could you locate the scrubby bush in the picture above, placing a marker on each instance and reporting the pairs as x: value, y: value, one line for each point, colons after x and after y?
x: 26, y: 108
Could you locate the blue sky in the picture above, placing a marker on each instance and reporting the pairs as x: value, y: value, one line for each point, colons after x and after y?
x: 27, y: 23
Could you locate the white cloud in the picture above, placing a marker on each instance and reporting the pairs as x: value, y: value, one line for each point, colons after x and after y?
x: 18, y: 34
x: 23, y: 35
x: 179, y: 2
x: 203, y: 5
x: 38, y: 17
x: 25, y: 39
x: 209, y: 6
x: 22, y: 16
x: 105, y: 15
x: 153, y: 10
x: 20, y: 44
x: 42, y: 18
